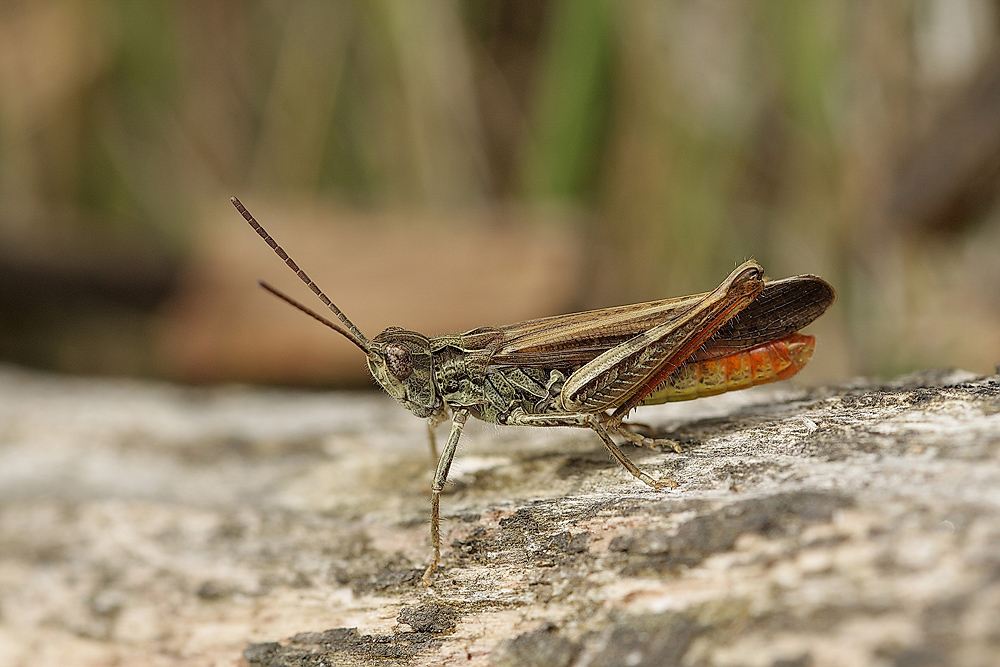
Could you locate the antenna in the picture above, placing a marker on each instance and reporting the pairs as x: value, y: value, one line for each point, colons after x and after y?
x: 352, y: 332
x: 308, y: 311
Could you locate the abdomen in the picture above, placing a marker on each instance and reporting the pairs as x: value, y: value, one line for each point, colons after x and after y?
x: 769, y: 362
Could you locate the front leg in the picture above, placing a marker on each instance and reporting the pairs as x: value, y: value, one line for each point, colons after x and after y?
x: 592, y: 421
x: 432, y: 422
x: 440, y: 477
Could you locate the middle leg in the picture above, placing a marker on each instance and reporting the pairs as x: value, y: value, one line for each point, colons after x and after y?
x: 587, y: 420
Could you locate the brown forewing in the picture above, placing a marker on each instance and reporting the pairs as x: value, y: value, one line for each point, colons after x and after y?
x: 568, y: 341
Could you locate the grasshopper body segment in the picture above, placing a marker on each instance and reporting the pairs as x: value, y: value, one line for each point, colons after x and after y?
x: 588, y: 370
x: 768, y: 362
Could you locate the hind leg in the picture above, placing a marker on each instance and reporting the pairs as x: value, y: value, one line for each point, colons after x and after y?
x: 631, y: 432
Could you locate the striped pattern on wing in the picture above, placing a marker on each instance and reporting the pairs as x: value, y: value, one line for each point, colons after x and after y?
x: 566, y: 342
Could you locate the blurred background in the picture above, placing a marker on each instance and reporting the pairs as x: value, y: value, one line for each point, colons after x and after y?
x: 443, y: 165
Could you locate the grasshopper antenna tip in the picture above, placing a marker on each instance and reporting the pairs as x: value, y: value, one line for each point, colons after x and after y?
x: 352, y: 331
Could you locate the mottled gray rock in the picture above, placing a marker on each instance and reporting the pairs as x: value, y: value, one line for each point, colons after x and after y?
x: 152, y: 524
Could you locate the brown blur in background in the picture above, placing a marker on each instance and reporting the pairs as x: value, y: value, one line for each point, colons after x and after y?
x: 445, y: 165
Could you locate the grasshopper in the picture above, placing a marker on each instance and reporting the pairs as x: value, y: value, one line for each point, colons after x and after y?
x: 589, y: 369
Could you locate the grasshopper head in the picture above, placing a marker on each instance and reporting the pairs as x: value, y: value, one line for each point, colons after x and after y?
x: 400, y: 361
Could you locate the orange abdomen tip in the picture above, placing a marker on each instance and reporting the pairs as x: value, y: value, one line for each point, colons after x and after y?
x: 769, y: 362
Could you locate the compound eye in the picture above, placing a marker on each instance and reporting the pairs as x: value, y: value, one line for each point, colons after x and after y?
x: 397, y: 358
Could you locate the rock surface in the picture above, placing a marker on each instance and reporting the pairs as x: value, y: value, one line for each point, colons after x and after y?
x: 146, y: 524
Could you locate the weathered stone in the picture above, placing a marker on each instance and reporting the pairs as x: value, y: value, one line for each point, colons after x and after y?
x: 152, y: 524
